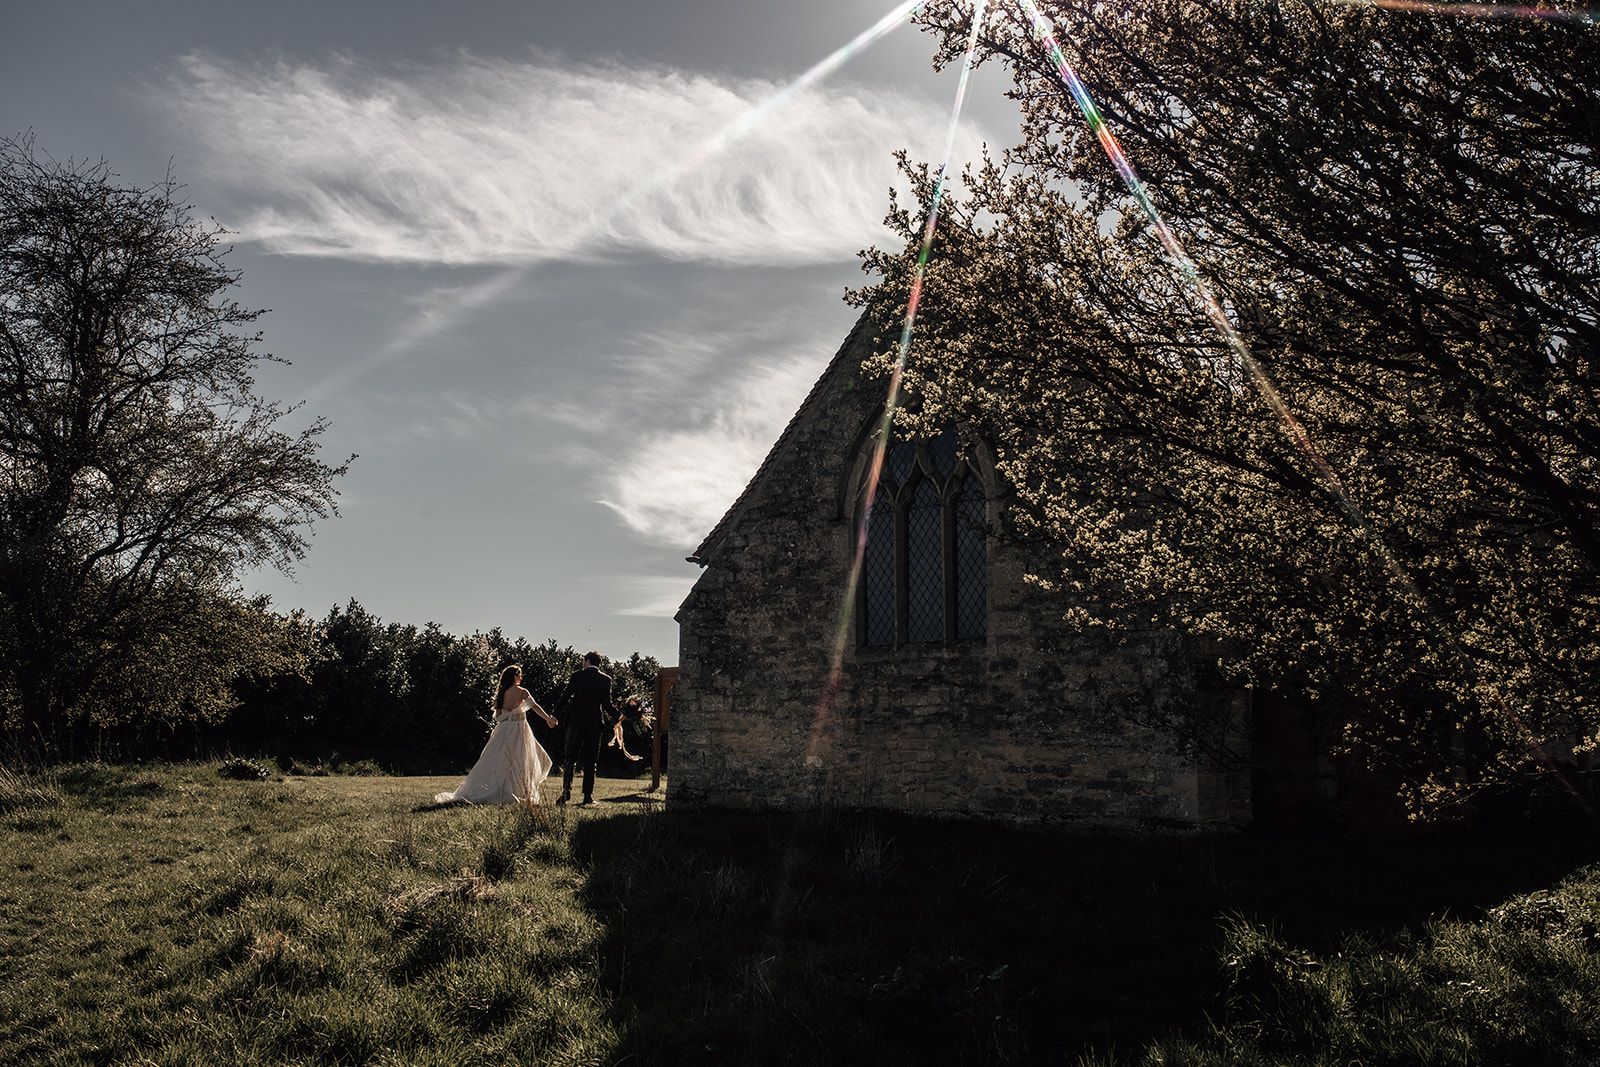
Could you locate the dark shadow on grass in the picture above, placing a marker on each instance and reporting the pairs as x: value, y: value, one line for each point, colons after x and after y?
x: 828, y: 937
x: 430, y: 805
x: 635, y: 798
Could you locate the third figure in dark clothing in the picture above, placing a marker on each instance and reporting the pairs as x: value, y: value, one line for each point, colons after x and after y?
x: 585, y: 706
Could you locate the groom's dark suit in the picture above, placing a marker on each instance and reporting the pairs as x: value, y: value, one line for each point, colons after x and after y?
x: 582, y: 708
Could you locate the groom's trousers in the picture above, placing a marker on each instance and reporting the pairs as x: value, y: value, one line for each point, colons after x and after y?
x: 582, y: 750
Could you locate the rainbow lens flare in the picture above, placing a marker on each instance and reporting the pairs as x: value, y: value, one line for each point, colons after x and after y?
x: 841, y: 635
x: 1044, y: 32
x: 423, y: 327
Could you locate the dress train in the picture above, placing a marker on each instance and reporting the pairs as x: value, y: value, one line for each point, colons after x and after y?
x: 510, y: 768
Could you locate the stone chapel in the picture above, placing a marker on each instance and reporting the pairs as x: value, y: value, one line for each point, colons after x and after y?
x: 947, y: 702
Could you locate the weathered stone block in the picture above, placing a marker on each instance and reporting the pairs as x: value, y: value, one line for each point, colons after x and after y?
x: 1002, y: 728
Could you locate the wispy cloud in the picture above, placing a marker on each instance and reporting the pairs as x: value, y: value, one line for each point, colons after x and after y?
x: 488, y: 161
x: 688, y: 410
x: 642, y: 595
x: 673, y: 486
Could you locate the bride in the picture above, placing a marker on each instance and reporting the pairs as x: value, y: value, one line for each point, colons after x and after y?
x: 513, y: 763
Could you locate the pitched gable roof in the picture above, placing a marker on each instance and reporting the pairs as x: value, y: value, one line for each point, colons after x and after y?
x: 702, y: 555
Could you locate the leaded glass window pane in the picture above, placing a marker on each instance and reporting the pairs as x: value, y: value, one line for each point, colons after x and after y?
x: 877, y: 572
x: 924, y: 565
x: 972, y: 563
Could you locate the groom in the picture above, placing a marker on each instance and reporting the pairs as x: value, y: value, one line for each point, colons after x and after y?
x: 588, y: 694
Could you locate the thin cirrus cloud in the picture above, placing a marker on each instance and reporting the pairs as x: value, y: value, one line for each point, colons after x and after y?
x: 475, y: 161
x: 642, y: 595
x: 675, y: 485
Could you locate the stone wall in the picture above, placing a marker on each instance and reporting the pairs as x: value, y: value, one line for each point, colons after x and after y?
x: 995, y: 729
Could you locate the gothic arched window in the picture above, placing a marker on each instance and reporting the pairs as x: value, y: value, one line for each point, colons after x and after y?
x: 877, y: 572
x: 924, y: 572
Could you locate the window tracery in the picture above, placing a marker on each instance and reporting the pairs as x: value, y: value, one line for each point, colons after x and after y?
x: 924, y: 575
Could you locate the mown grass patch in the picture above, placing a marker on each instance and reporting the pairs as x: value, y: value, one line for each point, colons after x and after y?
x: 181, y: 917
x: 169, y: 915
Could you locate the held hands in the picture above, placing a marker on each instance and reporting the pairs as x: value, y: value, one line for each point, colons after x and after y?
x: 550, y: 720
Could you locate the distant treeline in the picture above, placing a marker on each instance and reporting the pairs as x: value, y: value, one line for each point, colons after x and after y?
x: 411, y: 699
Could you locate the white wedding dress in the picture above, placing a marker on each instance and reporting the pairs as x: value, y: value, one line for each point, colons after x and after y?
x: 511, y: 767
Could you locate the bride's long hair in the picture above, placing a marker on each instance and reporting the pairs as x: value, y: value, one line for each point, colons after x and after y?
x: 508, y: 678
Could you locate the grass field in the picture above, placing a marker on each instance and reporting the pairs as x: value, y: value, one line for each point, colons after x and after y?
x: 163, y: 914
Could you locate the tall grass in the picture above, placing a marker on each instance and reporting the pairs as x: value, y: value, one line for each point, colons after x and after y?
x: 241, y: 922
x: 1519, y: 986
x: 23, y: 791
x: 167, y: 915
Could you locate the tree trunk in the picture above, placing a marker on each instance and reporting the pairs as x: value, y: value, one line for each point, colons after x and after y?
x: 34, y: 665
x: 36, y: 730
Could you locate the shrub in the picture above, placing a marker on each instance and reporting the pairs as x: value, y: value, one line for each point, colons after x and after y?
x: 243, y: 770
x: 363, y: 768
x: 306, y: 770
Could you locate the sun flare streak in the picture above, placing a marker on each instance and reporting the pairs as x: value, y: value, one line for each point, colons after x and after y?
x: 1044, y: 31
x: 505, y: 281
x: 892, y: 401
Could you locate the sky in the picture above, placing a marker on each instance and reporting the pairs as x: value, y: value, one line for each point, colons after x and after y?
x: 558, y: 333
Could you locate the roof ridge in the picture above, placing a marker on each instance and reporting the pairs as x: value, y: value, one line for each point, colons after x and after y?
x: 724, y: 524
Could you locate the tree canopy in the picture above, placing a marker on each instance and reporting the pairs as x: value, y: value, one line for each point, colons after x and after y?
x: 139, y: 468
x: 416, y: 698
x: 1401, y: 213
